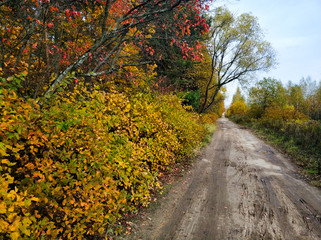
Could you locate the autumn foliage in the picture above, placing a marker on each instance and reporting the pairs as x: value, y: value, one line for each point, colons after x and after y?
x: 286, y: 114
x: 71, y: 168
x: 49, y: 40
x: 238, y: 108
x: 86, y: 131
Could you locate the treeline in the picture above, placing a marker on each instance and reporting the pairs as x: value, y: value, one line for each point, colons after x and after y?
x: 290, y: 114
x: 98, y: 99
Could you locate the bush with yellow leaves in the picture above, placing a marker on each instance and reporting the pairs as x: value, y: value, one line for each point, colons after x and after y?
x: 73, y: 167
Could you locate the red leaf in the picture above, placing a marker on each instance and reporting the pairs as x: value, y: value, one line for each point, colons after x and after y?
x: 40, y: 23
x: 54, y: 9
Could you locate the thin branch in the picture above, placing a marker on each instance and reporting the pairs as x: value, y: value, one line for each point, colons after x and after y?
x: 115, y: 68
x: 27, y: 37
x: 106, y: 13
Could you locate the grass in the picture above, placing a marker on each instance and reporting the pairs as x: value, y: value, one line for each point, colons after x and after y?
x: 210, y: 131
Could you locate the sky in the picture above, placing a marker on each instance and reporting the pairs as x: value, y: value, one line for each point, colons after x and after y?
x: 293, y: 27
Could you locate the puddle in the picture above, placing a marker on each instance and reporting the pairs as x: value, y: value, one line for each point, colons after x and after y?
x: 205, y: 160
x: 268, y: 151
x: 264, y: 164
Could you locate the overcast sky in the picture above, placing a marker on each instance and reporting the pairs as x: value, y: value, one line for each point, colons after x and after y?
x: 293, y: 27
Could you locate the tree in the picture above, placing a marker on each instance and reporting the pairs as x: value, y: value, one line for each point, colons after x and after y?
x: 180, y: 44
x: 197, y: 76
x: 238, y: 96
x: 313, y: 103
x: 308, y: 86
x: 238, y: 106
x: 295, y: 97
x: 237, y: 50
x: 266, y: 93
x: 49, y: 42
x: 310, y: 93
x: 316, y: 114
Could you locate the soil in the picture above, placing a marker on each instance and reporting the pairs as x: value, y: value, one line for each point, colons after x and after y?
x: 239, y: 188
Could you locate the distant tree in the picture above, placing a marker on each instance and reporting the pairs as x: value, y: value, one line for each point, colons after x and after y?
x: 311, y: 94
x: 318, y: 103
x: 266, y: 93
x: 308, y: 86
x: 295, y: 97
x: 238, y: 96
x: 237, y: 50
x: 238, y: 106
x: 314, y: 104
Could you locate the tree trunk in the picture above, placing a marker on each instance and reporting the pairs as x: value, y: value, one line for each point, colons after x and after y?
x: 204, y: 108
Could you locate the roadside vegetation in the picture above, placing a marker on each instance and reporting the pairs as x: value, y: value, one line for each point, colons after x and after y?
x: 289, y: 117
x: 100, y: 99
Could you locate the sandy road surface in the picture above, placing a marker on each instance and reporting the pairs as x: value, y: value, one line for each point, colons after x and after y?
x: 240, y: 188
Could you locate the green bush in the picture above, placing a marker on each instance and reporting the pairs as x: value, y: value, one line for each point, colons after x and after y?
x: 192, y: 98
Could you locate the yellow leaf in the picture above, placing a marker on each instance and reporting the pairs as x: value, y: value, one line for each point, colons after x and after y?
x: 34, y: 199
x: 12, y: 228
x: 11, y: 209
x: 14, y: 235
x: 3, y: 208
x: 3, y: 225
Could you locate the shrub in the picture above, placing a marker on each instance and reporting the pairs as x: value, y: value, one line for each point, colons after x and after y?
x: 73, y: 167
x: 237, y: 108
x: 209, y: 118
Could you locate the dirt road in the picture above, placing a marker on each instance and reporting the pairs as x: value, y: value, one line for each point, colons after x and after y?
x: 240, y: 188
